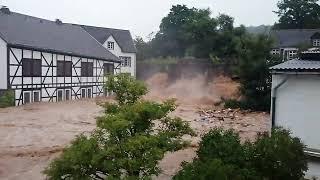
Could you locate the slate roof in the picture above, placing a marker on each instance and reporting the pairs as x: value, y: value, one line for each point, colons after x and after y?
x: 298, y: 64
x: 123, y: 37
x: 27, y: 31
x: 292, y: 37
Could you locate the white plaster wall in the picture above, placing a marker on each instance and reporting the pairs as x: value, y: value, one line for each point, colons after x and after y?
x: 118, y: 52
x: 298, y: 107
x: 47, y: 84
x: 314, y: 169
x: 3, y: 64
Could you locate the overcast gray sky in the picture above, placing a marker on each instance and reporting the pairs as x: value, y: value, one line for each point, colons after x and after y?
x: 141, y: 17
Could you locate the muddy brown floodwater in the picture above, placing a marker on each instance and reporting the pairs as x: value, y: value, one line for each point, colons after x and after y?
x: 32, y: 135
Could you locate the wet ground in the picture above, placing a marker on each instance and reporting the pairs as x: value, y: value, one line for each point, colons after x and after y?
x: 32, y: 135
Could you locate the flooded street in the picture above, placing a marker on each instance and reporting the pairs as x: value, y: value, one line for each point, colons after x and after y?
x: 32, y: 135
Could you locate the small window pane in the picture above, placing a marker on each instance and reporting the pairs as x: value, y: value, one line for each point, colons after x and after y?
x: 36, y: 67
x: 84, y: 69
x: 68, y: 68
x: 60, y: 68
x: 90, y: 69
x: 26, y: 67
x: 26, y: 97
x: 83, y: 93
x: 108, y: 69
x: 68, y: 94
x: 36, y: 96
x: 89, y: 93
x: 60, y: 95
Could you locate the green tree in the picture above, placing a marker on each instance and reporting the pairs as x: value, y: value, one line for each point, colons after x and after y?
x: 130, y: 139
x: 253, y: 71
x: 222, y: 156
x: 126, y: 88
x: 143, y: 49
x: 298, y: 14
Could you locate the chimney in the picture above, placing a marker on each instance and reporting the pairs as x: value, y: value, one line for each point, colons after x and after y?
x: 58, y: 21
x: 5, y: 10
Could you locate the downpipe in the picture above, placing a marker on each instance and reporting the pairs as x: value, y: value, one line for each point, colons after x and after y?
x: 274, y: 99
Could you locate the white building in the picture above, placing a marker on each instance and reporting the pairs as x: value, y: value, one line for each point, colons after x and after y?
x: 42, y: 60
x: 289, y: 41
x: 295, y: 102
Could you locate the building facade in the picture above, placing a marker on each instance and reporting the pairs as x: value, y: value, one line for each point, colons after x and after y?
x: 120, y: 43
x: 288, y: 42
x: 42, y: 60
x: 295, y: 99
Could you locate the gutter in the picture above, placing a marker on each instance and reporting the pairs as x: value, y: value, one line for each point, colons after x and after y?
x: 274, y: 98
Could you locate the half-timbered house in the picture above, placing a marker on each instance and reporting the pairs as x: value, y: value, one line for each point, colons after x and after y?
x: 42, y: 60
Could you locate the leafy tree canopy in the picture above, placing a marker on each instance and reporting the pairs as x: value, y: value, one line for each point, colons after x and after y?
x: 298, y: 14
x: 131, y: 137
x: 221, y: 156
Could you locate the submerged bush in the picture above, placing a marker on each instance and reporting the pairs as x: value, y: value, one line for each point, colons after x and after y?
x: 222, y: 156
x: 7, y: 99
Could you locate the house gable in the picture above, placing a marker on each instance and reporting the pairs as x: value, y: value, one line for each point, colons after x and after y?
x: 315, y: 36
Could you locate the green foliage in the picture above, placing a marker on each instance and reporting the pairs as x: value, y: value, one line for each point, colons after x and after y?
x: 280, y: 156
x: 298, y: 14
x: 213, y: 169
x: 7, y: 99
x: 193, y: 32
x: 253, y: 72
x: 131, y: 137
x: 126, y: 88
x: 233, y: 104
x: 222, y: 156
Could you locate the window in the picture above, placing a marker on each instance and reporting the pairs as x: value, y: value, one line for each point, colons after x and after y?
x: 26, y: 97
x: 108, y: 69
x: 89, y: 93
x: 275, y: 51
x: 36, y: 96
x: 125, y: 61
x: 87, y: 69
x: 68, y: 94
x: 292, y: 54
x: 60, y: 95
x: 316, y: 42
x: 83, y: 93
x: 31, y: 67
x: 64, y: 68
x: 30, y: 96
x: 110, y: 45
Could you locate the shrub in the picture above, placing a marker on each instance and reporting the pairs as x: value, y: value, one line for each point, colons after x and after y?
x: 131, y: 137
x: 222, y: 156
x: 279, y: 156
x: 7, y: 99
x: 213, y: 169
x: 126, y: 88
x: 233, y: 104
x: 224, y: 145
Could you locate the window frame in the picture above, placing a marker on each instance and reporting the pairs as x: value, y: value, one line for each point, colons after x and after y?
x: 65, y: 72
x: 69, y: 97
x: 29, y: 65
x: 316, y: 42
x: 86, y: 69
x: 30, y: 97
x: 110, y: 45
x: 33, y: 96
x: 83, y: 93
x: 62, y: 95
x: 108, y: 69
x: 125, y: 61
